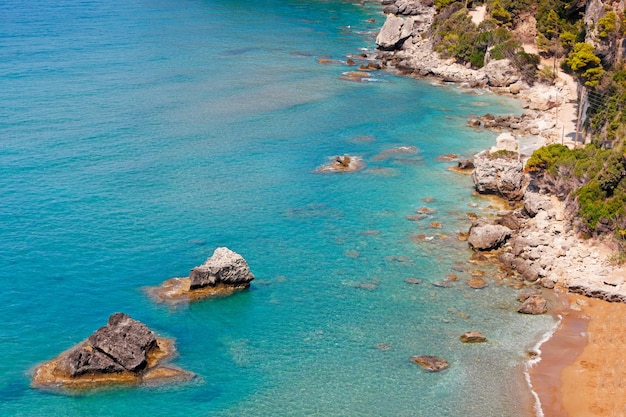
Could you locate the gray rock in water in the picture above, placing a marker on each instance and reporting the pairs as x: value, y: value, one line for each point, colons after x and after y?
x: 535, y: 304
x: 224, y: 267
x: 487, y: 236
x: 121, y: 345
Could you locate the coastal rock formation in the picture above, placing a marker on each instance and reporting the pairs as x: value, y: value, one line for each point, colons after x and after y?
x: 485, y: 236
x: 125, y: 351
x: 498, y: 174
x: 473, y: 336
x: 345, y: 163
x: 223, y: 267
x: 224, y: 273
x: 430, y: 363
x: 535, y: 304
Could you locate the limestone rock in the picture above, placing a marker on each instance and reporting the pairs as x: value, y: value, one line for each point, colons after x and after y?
x: 500, y: 176
x: 224, y: 267
x: 393, y: 33
x: 431, y: 363
x: 535, y: 304
x: 473, y: 336
x: 483, y: 236
x: 500, y: 73
x: 535, y: 202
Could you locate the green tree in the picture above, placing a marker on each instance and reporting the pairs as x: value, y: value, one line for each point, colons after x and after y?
x: 585, y: 63
x: 499, y: 13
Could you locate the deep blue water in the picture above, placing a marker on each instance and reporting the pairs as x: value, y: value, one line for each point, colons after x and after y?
x: 137, y: 136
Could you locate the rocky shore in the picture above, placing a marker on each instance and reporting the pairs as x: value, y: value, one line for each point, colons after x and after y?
x: 536, y: 240
x: 404, y: 48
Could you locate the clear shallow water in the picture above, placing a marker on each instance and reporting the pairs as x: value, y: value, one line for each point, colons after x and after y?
x: 138, y: 136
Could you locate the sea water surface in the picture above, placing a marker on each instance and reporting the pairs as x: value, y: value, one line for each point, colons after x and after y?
x: 137, y: 136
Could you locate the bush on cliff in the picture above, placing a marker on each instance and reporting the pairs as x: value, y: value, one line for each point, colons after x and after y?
x: 602, y: 173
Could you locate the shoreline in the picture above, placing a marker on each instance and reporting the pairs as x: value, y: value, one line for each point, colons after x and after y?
x: 556, y: 374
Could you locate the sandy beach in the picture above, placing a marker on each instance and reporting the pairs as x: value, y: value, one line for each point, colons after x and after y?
x: 581, y: 372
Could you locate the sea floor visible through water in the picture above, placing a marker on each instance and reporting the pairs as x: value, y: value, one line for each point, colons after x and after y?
x: 139, y: 136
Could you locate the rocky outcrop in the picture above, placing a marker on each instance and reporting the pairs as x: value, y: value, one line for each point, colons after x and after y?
x: 223, y: 267
x: 224, y: 273
x: 501, y: 175
x: 124, y: 351
x: 484, y: 236
x: 430, y: 363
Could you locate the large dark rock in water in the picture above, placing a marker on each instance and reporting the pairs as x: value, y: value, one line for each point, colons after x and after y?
x: 123, y: 351
x: 224, y: 267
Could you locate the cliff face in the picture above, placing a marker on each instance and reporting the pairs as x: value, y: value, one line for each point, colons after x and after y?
x: 603, y: 22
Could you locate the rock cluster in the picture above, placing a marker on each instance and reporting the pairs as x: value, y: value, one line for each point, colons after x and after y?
x: 125, y: 351
x: 405, y: 7
x: 224, y: 273
x: 530, y: 122
x: 538, y: 242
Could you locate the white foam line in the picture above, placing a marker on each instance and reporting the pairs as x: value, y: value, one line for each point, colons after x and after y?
x: 532, y: 362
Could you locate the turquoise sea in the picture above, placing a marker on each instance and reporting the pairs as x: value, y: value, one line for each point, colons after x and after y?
x: 137, y: 136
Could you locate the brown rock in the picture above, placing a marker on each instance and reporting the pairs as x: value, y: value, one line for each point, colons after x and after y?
x: 430, y: 363
x: 473, y: 336
x: 477, y: 282
x: 535, y: 304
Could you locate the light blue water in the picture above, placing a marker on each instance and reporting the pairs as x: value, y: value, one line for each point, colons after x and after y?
x: 137, y: 136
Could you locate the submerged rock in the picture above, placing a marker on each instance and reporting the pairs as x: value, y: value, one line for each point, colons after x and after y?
x: 125, y: 351
x: 431, y: 363
x: 473, y: 336
x: 344, y: 163
x: 224, y: 273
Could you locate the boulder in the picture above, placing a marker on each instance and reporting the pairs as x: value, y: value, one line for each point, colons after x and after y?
x: 500, y: 73
x: 502, y: 176
x: 223, y: 267
x: 125, y: 340
x: 431, y: 363
x: 389, y: 36
x: 473, y: 336
x: 484, y: 236
x: 535, y: 304
x: 535, y: 202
